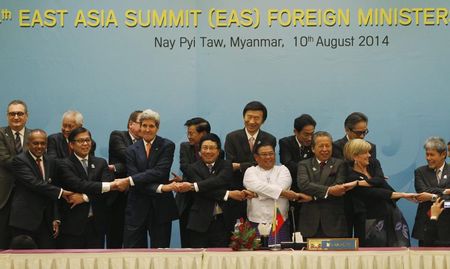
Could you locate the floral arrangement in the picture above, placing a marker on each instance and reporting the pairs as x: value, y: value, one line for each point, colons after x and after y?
x: 244, y: 236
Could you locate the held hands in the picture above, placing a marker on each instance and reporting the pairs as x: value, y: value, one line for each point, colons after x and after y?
x: 410, y: 197
x: 120, y: 184
x: 176, y: 178
x: 75, y: 199
x: 424, y: 197
x: 241, y: 195
x: 350, y: 185
x: 337, y: 190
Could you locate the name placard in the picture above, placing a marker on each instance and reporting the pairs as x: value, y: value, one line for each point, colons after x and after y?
x: 333, y: 244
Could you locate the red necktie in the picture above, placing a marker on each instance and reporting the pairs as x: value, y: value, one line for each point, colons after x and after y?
x: 38, y: 161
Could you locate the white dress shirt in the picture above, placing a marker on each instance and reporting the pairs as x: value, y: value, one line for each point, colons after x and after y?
x: 268, y: 184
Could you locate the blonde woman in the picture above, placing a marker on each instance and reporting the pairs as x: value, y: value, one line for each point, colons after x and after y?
x: 382, y: 223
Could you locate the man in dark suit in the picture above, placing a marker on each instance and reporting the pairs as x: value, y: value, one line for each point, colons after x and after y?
x: 432, y: 181
x: 13, y: 140
x: 295, y: 148
x: 189, y: 154
x: 34, y: 210
x: 239, y: 150
x: 84, y: 224
x: 209, y: 180
x: 322, y: 177
x: 355, y: 127
x: 151, y: 206
x: 119, y: 141
x: 58, y: 144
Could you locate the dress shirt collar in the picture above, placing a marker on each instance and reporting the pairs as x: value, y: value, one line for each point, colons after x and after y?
x: 440, y: 169
x: 34, y: 157
x: 249, y: 135
x: 326, y: 161
x: 133, y: 137
x: 151, y: 142
x: 80, y: 159
x: 298, y: 142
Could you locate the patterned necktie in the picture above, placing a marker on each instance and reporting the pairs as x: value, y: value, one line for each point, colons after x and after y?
x: 210, y: 168
x: 18, y: 143
x: 322, y: 165
x: 251, y: 143
x: 38, y: 162
x: 438, y: 175
x: 84, y: 162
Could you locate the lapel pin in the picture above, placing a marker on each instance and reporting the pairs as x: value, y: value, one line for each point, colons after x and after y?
x: 50, y: 180
x: 314, y: 169
x: 92, y: 166
x: 331, y: 166
x: 445, y: 176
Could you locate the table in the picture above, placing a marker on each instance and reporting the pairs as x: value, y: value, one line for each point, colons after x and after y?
x: 365, y: 258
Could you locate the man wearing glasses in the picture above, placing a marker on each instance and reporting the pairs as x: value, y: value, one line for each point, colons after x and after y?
x: 13, y: 140
x: 83, y: 224
x: 355, y: 127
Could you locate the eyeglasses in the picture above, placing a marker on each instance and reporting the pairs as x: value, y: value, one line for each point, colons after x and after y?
x: 267, y: 154
x: 82, y: 141
x: 205, y: 148
x: 18, y: 114
x: 360, y: 133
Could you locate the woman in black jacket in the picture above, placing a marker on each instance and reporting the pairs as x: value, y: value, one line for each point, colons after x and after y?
x: 382, y: 223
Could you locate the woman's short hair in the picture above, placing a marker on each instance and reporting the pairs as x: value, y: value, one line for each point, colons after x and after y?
x: 355, y: 147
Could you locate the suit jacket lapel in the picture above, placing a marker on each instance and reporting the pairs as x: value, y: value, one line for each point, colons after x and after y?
x: 153, y: 150
x: 11, y: 138
x: 34, y: 165
x: 25, y: 139
x: 445, y: 176
x: 79, y: 167
x: 47, y: 169
x: 245, y: 146
x: 315, y: 166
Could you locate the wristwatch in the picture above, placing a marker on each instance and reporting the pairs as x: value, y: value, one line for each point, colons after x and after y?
x: 434, y: 197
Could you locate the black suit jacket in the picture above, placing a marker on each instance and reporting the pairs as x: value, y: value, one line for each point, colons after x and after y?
x: 58, y: 148
x: 425, y: 181
x: 376, y: 199
x: 212, y: 189
x: 118, y: 143
x: 338, y: 148
x: 328, y: 212
x: 290, y: 155
x: 35, y: 197
x: 187, y: 157
x: 7, y: 153
x: 237, y: 150
x: 72, y: 177
x: 147, y: 175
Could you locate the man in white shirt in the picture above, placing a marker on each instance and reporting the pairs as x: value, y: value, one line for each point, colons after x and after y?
x: 272, y: 185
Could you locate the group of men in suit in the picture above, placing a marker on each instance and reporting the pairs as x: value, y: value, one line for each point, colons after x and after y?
x: 66, y: 193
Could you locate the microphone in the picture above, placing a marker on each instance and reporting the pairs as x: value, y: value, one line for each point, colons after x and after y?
x: 292, y: 208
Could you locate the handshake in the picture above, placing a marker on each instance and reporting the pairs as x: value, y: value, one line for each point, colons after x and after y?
x: 73, y: 198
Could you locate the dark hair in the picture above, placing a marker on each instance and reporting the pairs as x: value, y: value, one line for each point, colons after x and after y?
x: 302, y: 121
x: 17, y: 102
x: 354, y: 119
x: 210, y: 136
x: 320, y: 134
x: 76, y: 132
x: 22, y: 242
x: 264, y: 143
x: 134, y: 116
x: 201, y: 125
x: 258, y: 106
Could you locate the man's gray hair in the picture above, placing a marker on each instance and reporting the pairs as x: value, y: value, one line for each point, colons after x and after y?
x: 435, y: 143
x: 149, y: 114
x: 76, y: 114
